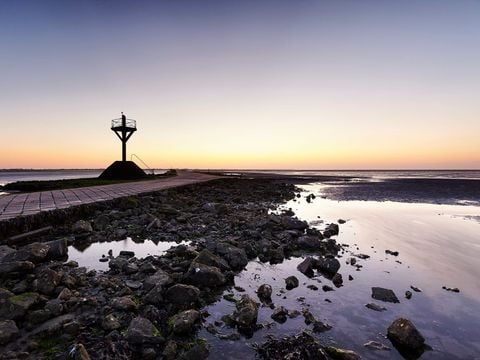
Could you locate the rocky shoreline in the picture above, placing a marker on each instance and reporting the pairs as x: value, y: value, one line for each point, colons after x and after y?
x: 152, y: 308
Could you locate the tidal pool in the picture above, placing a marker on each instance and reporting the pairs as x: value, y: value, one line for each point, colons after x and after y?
x: 89, y: 255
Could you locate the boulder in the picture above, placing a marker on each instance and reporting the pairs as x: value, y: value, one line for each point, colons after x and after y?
x: 328, y: 266
x: 57, y: 249
x: 35, y: 252
x: 14, y: 268
x: 54, y: 325
x: 55, y: 307
x: 306, y: 266
x: 82, y: 226
x: 402, y: 333
x: 8, y: 331
x: 208, y: 258
x: 183, y: 295
x: 47, y: 280
x: 291, y: 223
x: 264, y: 293
x: 184, y: 322
x: 160, y: 277
x: 5, y: 250
x: 337, y: 280
x: 118, y: 263
x: 124, y: 303
x: 291, y: 282
x: 342, y: 354
x: 204, y: 275
x: 245, y: 315
x: 383, y: 294
x: 309, y: 242
x: 16, y: 306
x: 276, y: 255
x: 331, y: 230
x: 280, y: 314
x: 110, y: 322
x: 101, y: 222
x: 236, y: 257
x: 141, y: 332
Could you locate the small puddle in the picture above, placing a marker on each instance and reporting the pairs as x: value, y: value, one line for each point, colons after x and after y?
x: 89, y: 255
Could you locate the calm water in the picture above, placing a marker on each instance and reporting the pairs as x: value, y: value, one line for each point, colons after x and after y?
x: 90, y: 255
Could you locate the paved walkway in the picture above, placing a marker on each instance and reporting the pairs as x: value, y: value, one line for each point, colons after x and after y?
x: 31, y: 203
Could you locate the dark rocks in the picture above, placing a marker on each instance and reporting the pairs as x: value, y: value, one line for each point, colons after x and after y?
x: 236, y: 257
x: 327, y: 288
x: 375, y: 307
x: 245, y: 316
x: 53, y: 326
x: 184, y: 322
x: 16, y: 306
x: 402, y: 333
x: 82, y: 226
x: 337, y: 280
x: 142, y: 332
x: 14, y: 268
x: 408, y: 294
x: 35, y: 253
x: 183, y: 295
x: 8, y: 331
x: 291, y: 282
x: 110, y: 322
x: 390, y: 252
x: 383, y: 294
x: 280, y: 314
x: 101, y: 222
x: 342, y: 354
x: 135, y: 285
x: 319, y: 327
x: 456, y: 290
x: 328, y: 266
x: 57, y: 249
x: 160, y: 278
x: 306, y: 266
x: 47, y: 281
x: 54, y: 307
x: 264, y: 293
x: 276, y: 255
x: 299, y: 347
x: 124, y: 303
x: 207, y: 258
x: 204, y: 275
x: 416, y: 289
x: 291, y: 223
x: 331, y: 230
x: 308, y: 242
x: 118, y: 263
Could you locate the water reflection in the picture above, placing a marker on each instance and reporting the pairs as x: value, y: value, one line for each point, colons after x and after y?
x: 88, y: 254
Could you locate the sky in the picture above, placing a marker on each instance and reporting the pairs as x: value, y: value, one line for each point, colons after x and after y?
x: 297, y: 84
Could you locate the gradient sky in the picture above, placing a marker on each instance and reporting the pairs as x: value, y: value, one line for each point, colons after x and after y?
x: 242, y: 84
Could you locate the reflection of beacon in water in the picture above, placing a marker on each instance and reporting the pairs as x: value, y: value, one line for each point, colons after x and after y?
x: 124, y: 128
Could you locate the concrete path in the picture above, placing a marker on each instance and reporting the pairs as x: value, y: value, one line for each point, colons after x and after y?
x: 31, y: 203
